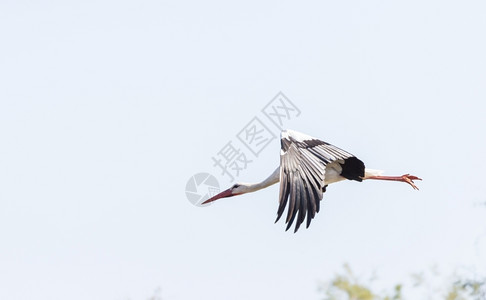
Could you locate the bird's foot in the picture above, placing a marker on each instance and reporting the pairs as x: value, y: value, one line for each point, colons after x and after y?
x: 409, y: 179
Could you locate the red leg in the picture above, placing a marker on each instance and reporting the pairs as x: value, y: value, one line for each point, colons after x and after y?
x: 404, y: 178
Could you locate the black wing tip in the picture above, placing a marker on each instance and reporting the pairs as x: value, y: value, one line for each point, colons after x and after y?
x: 301, y: 176
x: 353, y: 169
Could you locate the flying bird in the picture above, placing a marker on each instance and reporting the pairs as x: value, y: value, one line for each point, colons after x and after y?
x: 307, y: 166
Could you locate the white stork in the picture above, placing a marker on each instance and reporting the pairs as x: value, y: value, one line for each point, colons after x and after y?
x: 307, y: 167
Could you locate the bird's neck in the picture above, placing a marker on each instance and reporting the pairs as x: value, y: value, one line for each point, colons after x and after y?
x: 272, y: 179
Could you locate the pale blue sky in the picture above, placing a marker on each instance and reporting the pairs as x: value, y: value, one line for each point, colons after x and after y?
x: 107, y: 108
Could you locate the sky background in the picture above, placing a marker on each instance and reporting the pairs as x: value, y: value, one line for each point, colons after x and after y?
x: 107, y: 108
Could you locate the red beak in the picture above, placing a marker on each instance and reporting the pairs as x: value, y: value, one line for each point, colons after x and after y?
x: 223, y: 194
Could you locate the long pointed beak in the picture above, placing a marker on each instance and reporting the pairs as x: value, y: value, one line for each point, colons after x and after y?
x: 223, y: 194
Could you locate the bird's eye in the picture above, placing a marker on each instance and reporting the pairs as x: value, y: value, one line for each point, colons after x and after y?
x: 235, y: 186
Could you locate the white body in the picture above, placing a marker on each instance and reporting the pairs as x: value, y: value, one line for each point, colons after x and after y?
x: 333, y: 171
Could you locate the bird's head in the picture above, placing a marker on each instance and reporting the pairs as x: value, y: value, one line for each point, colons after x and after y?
x: 236, y: 189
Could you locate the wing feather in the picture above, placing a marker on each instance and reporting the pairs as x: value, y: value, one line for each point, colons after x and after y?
x: 303, y: 164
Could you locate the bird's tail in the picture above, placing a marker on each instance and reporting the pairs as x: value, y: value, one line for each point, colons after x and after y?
x: 372, y: 172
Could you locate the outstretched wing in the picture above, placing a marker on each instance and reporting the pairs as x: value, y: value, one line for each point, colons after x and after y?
x: 303, y: 163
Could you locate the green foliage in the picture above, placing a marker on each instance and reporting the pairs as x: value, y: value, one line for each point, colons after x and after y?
x: 347, y: 286
x: 465, y: 289
x: 353, y: 289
